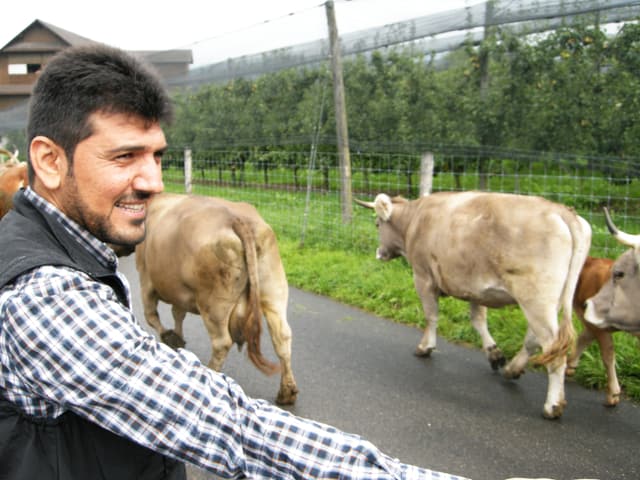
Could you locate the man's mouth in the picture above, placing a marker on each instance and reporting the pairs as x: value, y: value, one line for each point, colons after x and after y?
x: 132, y: 207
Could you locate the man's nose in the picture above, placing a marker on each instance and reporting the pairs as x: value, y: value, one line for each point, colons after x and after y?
x: 149, y: 175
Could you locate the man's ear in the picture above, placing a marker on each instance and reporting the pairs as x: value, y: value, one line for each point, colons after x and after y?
x: 49, y: 162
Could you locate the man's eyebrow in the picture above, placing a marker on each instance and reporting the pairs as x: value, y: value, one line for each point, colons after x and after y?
x: 135, y: 148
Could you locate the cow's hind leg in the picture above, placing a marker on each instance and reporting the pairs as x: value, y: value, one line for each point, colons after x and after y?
x: 280, y: 332
x: 491, y: 350
x: 215, y: 315
x: 543, y: 328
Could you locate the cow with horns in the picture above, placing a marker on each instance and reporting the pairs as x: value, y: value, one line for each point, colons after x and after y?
x: 616, y: 306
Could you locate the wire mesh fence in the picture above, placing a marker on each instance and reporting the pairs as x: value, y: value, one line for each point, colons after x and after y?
x: 299, y: 194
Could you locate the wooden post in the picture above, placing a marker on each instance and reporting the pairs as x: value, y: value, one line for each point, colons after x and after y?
x: 426, y: 173
x: 342, y: 134
x: 187, y: 170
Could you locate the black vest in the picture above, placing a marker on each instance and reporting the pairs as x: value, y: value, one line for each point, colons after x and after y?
x: 68, y: 447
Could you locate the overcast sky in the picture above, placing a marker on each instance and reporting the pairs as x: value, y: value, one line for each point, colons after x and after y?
x: 213, y: 30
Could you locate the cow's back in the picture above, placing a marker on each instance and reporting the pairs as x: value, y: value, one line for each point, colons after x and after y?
x: 191, y: 246
x: 491, y: 247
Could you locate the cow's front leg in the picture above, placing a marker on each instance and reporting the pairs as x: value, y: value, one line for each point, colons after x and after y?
x: 608, y: 354
x: 150, y: 305
x: 429, y: 299
x: 491, y: 350
x: 175, y: 338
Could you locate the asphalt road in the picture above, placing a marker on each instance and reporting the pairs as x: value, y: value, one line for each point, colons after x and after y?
x: 449, y: 412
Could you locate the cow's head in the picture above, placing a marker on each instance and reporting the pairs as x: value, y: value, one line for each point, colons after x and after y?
x: 7, y: 158
x: 390, y: 237
x: 617, y: 305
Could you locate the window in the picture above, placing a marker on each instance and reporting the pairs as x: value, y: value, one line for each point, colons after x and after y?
x: 23, y: 68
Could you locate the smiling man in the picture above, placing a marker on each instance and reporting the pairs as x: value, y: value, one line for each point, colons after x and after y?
x: 107, y: 187
x: 85, y: 392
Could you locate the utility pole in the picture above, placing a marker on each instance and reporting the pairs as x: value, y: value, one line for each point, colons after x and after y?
x: 485, y: 132
x: 342, y: 134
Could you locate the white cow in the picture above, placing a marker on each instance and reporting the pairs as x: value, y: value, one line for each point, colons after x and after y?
x: 493, y: 249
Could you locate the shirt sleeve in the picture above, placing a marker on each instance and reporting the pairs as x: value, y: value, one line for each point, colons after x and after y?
x: 69, y: 343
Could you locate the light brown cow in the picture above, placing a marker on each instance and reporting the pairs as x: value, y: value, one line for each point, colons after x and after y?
x: 13, y: 176
x: 218, y: 259
x: 595, y: 273
x: 493, y: 249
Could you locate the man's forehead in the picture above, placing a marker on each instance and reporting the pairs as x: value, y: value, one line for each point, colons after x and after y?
x: 125, y: 129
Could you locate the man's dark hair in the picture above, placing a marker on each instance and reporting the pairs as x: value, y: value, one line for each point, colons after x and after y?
x: 80, y: 81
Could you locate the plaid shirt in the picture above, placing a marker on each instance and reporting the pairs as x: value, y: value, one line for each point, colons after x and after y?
x: 66, y: 343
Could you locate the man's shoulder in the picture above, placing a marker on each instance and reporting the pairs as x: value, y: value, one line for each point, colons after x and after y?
x: 25, y: 246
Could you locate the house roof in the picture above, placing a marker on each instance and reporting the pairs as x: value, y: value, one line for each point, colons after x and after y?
x: 18, y: 44
x: 69, y: 39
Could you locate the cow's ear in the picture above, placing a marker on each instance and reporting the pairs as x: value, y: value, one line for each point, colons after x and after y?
x: 383, y: 207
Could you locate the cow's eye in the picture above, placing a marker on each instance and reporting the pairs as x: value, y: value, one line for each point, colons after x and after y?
x: 617, y: 274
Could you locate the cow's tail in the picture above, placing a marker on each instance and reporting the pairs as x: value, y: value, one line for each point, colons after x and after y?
x: 252, y: 328
x: 581, y: 242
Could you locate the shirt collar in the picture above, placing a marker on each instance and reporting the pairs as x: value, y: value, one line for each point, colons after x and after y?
x: 97, y: 248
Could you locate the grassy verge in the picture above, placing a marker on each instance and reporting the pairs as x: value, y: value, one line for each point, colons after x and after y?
x: 386, y: 289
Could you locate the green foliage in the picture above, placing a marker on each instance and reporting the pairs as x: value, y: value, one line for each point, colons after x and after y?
x: 572, y: 90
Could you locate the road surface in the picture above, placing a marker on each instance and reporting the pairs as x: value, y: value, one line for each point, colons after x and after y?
x: 449, y: 412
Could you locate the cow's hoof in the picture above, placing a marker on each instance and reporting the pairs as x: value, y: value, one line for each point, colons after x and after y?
x: 554, y: 411
x: 512, y: 374
x: 612, y: 400
x: 570, y: 371
x: 496, y: 358
x: 171, y: 338
x: 423, y: 352
x: 288, y: 395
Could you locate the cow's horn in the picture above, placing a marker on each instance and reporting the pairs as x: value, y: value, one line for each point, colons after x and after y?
x: 364, y: 204
x: 622, y: 237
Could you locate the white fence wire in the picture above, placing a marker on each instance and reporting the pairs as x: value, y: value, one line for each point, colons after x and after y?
x: 279, y: 183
